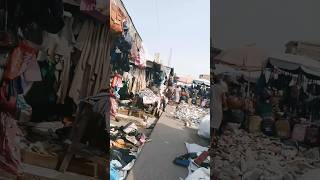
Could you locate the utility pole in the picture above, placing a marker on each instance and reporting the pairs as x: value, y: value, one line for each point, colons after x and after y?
x: 170, y: 57
x: 157, y: 58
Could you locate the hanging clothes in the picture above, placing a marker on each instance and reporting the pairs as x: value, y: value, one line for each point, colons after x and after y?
x: 92, y: 70
x: 22, y: 61
x: 261, y: 84
x: 63, y: 58
x: 139, y: 82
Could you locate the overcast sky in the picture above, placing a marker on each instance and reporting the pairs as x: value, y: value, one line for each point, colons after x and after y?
x: 183, y: 25
x: 268, y: 23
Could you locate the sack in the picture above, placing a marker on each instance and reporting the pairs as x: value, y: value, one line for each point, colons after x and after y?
x: 283, y: 128
x: 204, y: 127
x: 299, y: 132
x: 116, y: 18
x: 254, y: 124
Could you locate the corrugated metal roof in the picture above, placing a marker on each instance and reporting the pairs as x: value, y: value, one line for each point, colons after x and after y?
x: 130, y: 19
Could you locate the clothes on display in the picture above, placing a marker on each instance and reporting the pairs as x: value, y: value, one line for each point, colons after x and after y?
x: 148, y: 96
x: 255, y: 156
x: 10, y: 158
x: 92, y: 69
x: 125, y: 143
x: 190, y: 113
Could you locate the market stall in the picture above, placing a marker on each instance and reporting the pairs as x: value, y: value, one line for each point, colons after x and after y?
x: 55, y: 70
x: 283, y: 127
x: 243, y: 65
x: 294, y: 80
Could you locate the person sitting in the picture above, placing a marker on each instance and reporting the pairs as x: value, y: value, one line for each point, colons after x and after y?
x: 184, y: 95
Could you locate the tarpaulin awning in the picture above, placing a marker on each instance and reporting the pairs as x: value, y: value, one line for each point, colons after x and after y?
x: 295, y: 64
x: 201, y: 81
x: 232, y: 72
x: 248, y: 59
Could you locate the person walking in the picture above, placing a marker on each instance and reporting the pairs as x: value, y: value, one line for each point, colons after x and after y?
x: 177, y: 94
x: 218, y: 99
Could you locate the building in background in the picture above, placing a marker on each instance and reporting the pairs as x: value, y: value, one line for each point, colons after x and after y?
x: 204, y: 76
x: 304, y: 48
x: 184, y: 79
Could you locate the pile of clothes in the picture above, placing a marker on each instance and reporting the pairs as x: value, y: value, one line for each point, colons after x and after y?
x: 148, y: 96
x: 190, y: 113
x: 10, y: 135
x: 240, y: 155
x: 125, y: 144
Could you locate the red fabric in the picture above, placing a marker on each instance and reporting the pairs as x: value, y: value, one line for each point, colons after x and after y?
x: 10, y: 158
x: 117, y: 81
x: 22, y: 59
x: 7, y: 101
x: 114, y: 107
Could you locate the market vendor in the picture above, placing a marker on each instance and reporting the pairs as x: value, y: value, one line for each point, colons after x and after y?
x: 170, y: 89
x: 264, y: 105
x: 218, y: 97
x: 184, y: 95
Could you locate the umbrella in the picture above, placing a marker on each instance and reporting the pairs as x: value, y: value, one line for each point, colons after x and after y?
x: 244, y: 58
x: 248, y: 59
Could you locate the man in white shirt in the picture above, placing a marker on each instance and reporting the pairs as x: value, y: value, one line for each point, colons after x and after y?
x: 218, y: 98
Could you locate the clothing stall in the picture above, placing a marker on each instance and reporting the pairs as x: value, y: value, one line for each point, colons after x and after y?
x: 54, y: 73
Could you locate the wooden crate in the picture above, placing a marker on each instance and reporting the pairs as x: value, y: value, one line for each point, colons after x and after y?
x: 123, y: 111
x: 46, y: 161
x: 83, y: 167
x: 137, y: 113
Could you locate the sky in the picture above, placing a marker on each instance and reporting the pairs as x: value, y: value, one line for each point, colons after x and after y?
x: 270, y: 24
x: 183, y: 25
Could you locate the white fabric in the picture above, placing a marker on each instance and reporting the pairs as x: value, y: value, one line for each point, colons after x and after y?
x: 201, y: 173
x: 177, y: 94
x: 195, y: 148
x: 294, y: 62
x: 130, y: 128
x: 204, y: 127
x: 129, y: 166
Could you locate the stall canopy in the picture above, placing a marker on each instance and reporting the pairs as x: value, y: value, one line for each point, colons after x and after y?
x: 230, y: 71
x: 201, y: 81
x: 295, y: 64
x: 248, y: 59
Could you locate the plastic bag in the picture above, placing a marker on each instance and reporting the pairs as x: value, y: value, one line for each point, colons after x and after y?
x: 204, y: 127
